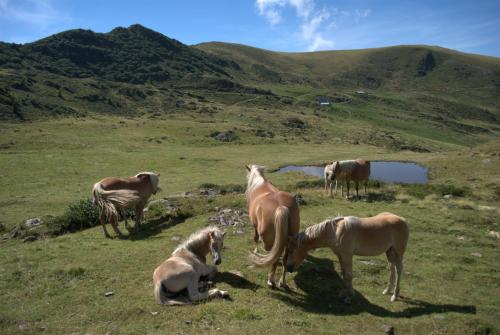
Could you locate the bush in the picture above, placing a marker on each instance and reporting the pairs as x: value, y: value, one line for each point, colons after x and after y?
x: 78, y: 216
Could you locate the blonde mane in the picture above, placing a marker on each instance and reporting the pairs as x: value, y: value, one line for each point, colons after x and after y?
x: 153, y: 178
x: 197, y: 239
x: 317, y: 230
x: 255, y: 178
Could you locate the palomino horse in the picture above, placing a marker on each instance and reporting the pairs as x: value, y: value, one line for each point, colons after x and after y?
x: 328, y: 175
x: 116, y: 194
x: 185, y: 267
x: 356, y: 170
x: 348, y: 236
x: 275, y: 216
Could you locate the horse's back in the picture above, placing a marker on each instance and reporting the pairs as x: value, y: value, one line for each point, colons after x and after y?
x: 114, y: 183
x: 374, y: 235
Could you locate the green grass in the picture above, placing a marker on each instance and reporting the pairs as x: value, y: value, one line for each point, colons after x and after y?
x: 58, y: 284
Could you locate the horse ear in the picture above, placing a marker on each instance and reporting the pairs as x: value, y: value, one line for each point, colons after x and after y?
x: 223, y: 233
x: 142, y: 175
x: 158, y: 174
x: 248, y: 168
x: 211, y: 234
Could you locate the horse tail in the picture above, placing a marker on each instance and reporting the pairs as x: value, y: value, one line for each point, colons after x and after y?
x: 162, y: 297
x: 108, y: 201
x: 281, y: 219
x: 106, y: 207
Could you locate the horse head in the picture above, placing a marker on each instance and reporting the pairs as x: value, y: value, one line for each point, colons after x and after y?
x: 296, y: 252
x: 216, y: 240
x: 255, y: 176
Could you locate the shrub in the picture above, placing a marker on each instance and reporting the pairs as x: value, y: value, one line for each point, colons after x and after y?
x: 78, y: 216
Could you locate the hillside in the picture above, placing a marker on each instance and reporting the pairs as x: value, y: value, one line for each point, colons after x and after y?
x: 409, y: 92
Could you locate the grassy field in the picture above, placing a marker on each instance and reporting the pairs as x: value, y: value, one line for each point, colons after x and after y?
x: 56, y: 285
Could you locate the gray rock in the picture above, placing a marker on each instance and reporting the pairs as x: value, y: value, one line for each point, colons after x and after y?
x: 33, y: 222
x: 388, y: 330
x: 448, y: 196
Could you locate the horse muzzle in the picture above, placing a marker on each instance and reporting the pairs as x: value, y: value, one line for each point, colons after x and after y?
x: 217, y: 261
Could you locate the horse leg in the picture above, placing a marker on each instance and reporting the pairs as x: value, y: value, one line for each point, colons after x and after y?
x: 346, y: 266
x: 366, y: 184
x: 255, y: 239
x: 282, y: 282
x: 114, y: 223
x: 139, y: 210
x: 399, y: 272
x: 270, y: 276
x: 102, y: 219
x: 391, y: 257
x: 193, y: 291
x: 348, y: 184
x: 357, y: 187
x: 331, y: 194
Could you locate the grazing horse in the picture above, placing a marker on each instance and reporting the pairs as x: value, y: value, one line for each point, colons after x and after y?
x: 117, y: 194
x: 275, y: 216
x: 356, y: 170
x: 185, y: 267
x: 348, y: 236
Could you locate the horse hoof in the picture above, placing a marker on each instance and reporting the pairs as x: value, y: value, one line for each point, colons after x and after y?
x: 393, y: 298
x: 224, y: 294
x: 385, y: 292
x: 271, y: 284
x: 285, y: 286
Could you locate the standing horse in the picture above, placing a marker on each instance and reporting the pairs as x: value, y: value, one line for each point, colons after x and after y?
x: 328, y: 175
x: 275, y: 216
x: 348, y: 236
x: 356, y: 170
x: 117, y: 194
x: 185, y: 267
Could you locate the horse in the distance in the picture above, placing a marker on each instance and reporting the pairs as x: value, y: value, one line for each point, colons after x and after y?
x: 113, y: 195
x: 185, y: 267
x: 348, y: 236
x: 275, y: 216
x: 350, y: 170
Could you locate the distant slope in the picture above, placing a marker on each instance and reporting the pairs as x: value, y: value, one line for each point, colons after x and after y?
x: 392, y: 96
x: 135, y: 54
x: 431, y: 69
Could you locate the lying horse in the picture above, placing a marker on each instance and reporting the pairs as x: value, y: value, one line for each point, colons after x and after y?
x: 185, y: 267
x: 348, y: 236
x: 356, y: 170
x: 112, y: 195
x: 275, y: 216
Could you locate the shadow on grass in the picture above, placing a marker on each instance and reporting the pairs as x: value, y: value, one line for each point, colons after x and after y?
x: 321, y: 285
x: 236, y: 281
x: 155, y: 226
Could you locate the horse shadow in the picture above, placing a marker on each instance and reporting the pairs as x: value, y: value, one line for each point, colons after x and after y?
x: 321, y: 285
x: 236, y: 281
x: 154, y: 227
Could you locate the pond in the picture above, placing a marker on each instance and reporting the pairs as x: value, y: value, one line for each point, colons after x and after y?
x: 387, y: 171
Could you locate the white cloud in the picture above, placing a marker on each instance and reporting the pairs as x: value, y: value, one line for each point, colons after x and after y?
x: 312, y: 26
x: 39, y: 13
x: 320, y: 43
x: 361, y: 14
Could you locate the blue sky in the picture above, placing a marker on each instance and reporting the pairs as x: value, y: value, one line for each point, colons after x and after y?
x: 281, y: 25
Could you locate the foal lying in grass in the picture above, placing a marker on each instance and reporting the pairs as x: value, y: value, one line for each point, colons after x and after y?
x: 185, y: 267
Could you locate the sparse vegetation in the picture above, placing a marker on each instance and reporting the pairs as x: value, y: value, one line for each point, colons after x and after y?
x: 88, y: 108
